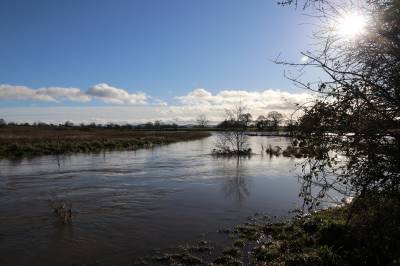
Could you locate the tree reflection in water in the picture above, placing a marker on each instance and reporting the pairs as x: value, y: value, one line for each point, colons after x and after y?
x: 237, y: 187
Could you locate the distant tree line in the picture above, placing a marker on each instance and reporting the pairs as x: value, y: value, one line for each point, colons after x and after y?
x: 156, y: 125
x: 272, y: 121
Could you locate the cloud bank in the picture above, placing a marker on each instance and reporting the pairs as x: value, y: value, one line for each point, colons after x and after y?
x: 267, y: 99
x: 138, y: 107
x: 102, y: 91
x: 201, y: 101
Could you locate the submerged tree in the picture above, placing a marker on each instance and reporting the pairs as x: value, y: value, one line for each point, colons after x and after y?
x: 356, y: 118
x: 233, y: 139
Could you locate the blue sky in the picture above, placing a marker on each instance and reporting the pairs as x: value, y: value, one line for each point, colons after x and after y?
x: 164, y: 49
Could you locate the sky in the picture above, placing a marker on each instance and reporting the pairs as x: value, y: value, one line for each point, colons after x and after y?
x: 139, y: 60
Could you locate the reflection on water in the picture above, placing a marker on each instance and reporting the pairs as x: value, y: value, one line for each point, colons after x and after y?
x: 236, y: 187
x: 126, y: 204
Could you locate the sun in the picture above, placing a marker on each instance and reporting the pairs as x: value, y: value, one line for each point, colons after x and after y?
x: 351, y: 25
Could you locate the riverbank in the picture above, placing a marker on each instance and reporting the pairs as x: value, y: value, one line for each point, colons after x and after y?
x: 33, y: 141
x: 269, y: 133
x: 334, y: 236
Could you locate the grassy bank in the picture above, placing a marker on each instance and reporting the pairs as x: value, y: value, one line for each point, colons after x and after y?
x: 364, y: 233
x: 31, y: 141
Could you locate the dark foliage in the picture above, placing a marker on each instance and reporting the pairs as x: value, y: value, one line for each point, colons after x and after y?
x: 356, y: 117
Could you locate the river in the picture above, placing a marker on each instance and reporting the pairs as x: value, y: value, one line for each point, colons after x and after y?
x: 126, y: 204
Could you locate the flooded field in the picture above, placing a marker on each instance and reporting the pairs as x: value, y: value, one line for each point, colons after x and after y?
x: 126, y: 204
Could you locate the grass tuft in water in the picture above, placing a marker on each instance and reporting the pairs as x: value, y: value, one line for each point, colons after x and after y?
x: 62, y: 211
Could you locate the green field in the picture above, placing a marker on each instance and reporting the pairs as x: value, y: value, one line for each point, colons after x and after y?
x: 20, y: 141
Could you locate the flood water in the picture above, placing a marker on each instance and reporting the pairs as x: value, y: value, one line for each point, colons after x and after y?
x: 126, y: 204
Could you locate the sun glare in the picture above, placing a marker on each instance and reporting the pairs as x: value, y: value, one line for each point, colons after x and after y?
x: 351, y: 25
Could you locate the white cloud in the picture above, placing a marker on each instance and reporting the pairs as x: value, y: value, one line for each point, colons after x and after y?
x: 51, y: 94
x: 257, y: 102
x: 72, y: 94
x: 138, y: 107
x: 11, y: 92
x: 114, y: 95
x: 102, y: 91
x: 268, y: 99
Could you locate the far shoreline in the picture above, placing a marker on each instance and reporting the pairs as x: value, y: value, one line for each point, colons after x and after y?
x: 29, y: 141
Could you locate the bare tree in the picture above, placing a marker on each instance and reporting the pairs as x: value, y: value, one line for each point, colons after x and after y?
x: 303, y: 3
x: 355, y: 119
x: 202, y: 121
x: 233, y: 139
